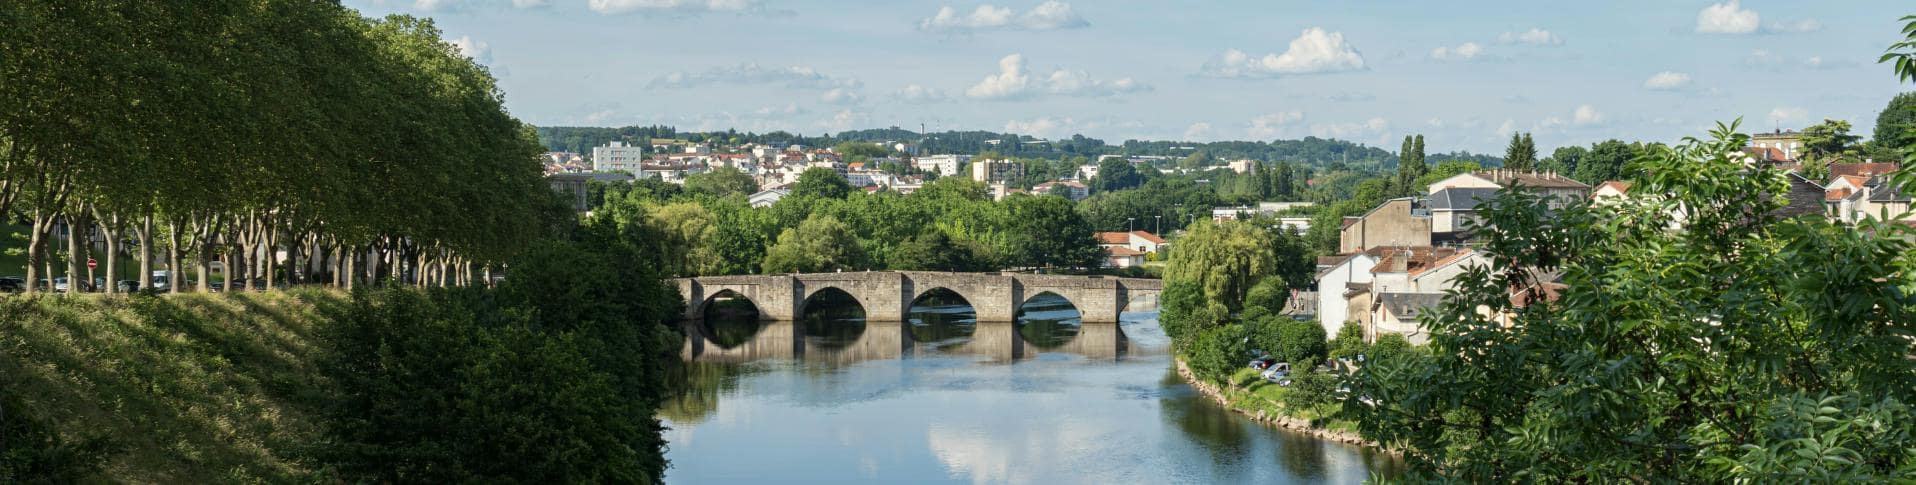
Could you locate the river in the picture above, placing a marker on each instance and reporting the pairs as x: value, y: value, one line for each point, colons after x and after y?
x: 944, y: 399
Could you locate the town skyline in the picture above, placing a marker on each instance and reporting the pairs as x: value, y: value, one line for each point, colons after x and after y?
x: 1368, y: 73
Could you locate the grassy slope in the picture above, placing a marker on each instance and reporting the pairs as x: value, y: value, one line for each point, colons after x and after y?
x: 195, y: 388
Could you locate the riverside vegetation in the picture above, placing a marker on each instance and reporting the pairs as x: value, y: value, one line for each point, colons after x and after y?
x: 1701, y: 337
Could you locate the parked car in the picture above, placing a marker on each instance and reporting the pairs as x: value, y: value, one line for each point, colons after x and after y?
x: 12, y: 284
x: 1278, y: 373
x: 60, y: 284
x: 127, y: 286
x: 1262, y: 363
x: 216, y: 286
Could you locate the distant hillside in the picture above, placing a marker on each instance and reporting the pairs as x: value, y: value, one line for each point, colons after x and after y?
x: 1309, y: 151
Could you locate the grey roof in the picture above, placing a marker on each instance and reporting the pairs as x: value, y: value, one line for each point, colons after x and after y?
x: 1407, y: 306
x: 1805, y: 198
x: 1881, y: 190
x: 1461, y: 198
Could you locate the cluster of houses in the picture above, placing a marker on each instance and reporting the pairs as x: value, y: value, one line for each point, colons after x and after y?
x: 1397, y: 260
x: 775, y: 167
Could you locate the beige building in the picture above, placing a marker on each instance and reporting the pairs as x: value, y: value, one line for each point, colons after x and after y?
x: 1395, y: 223
x: 996, y: 170
x: 1560, y: 189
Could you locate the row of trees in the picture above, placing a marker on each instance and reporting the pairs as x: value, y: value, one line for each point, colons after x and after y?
x: 950, y: 224
x: 231, y: 131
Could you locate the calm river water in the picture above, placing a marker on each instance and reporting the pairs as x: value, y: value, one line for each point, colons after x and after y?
x: 944, y: 399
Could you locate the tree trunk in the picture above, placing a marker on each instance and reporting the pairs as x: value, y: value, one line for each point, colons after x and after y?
x: 146, y: 251
x: 109, y: 229
x: 37, y: 265
x: 173, y: 256
x: 74, y: 283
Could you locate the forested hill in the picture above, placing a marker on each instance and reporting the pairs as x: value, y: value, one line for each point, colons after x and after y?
x: 1310, y: 150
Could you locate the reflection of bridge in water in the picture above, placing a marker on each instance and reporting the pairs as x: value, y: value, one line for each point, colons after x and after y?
x: 996, y: 341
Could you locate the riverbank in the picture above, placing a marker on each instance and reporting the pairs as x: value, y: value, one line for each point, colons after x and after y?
x: 189, y: 388
x: 1234, y: 399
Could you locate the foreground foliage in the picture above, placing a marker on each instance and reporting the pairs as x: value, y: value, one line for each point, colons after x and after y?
x: 1701, y: 338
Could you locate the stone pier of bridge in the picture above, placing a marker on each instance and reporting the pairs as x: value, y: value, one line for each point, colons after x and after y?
x: 887, y: 296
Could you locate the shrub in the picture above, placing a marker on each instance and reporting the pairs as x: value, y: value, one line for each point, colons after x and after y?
x: 1349, y: 341
x: 1217, y: 352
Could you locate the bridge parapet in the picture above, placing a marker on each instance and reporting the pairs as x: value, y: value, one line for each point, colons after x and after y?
x: 887, y: 296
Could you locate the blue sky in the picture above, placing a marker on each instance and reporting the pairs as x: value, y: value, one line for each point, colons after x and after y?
x: 1465, y: 74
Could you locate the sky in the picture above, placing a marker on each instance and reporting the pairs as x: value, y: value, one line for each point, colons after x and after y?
x: 1466, y: 74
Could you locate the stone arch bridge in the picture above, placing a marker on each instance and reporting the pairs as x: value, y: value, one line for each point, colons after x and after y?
x: 887, y: 295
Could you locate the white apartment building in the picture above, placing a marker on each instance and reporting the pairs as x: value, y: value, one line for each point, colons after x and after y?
x: 617, y: 156
x: 943, y: 165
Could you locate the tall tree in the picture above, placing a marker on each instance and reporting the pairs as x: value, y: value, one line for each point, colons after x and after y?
x: 1115, y: 173
x: 1521, y: 154
x: 1896, y: 125
x: 821, y: 182
x: 721, y: 182
x: 818, y: 245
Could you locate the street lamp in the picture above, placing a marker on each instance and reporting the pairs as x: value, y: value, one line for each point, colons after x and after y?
x: 1128, y: 226
x: 1158, y: 227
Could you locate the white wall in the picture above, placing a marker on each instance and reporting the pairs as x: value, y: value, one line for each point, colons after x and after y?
x: 1332, y: 309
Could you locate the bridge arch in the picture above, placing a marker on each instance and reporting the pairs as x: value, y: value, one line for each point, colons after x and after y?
x: 814, y: 294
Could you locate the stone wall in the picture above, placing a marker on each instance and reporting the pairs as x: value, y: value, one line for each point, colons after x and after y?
x: 887, y: 296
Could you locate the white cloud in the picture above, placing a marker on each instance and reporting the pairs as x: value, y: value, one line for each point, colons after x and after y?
x: 599, y: 116
x: 1350, y: 97
x: 1350, y: 130
x: 1668, y: 81
x: 1798, y: 27
x: 1313, y: 51
x: 1274, y: 124
x: 1199, y: 131
x: 479, y: 51
x: 1014, y: 81
x: 1534, y: 36
x: 1727, y: 18
x: 919, y: 94
x: 843, y: 120
x: 1049, y: 15
x: 1586, y: 115
x: 789, y: 109
x: 1786, y: 114
x: 528, y: 3
x: 1464, y: 52
x: 682, y: 6
x: 433, y: 5
x: 752, y: 73
x: 1507, y: 127
x: 1041, y: 127
x: 840, y: 96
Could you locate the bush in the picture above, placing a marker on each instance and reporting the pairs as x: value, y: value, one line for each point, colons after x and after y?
x: 555, y: 377
x: 1389, y: 346
x: 1217, y: 352
x: 1301, y: 343
x: 1310, y: 390
x: 1349, y: 342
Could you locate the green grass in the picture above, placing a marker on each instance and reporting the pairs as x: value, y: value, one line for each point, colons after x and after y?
x: 193, y: 388
x: 1249, y: 392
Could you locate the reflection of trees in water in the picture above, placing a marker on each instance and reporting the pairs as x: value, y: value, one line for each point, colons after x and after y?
x: 695, y: 390
x: 941, y: 315
x: 730, y: 321
x: 1048, y: 320
x: 1213, y: 427
x: 832, y: 319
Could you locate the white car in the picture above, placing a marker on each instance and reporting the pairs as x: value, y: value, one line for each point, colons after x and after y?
x: 1279, y: 373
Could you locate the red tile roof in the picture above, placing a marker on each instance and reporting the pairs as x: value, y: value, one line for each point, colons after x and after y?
x: 1864, y: 170
x: 1149, y: 237
x: 1618, y: 185
x: 1119, y: 238
x: 1122, y: 251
